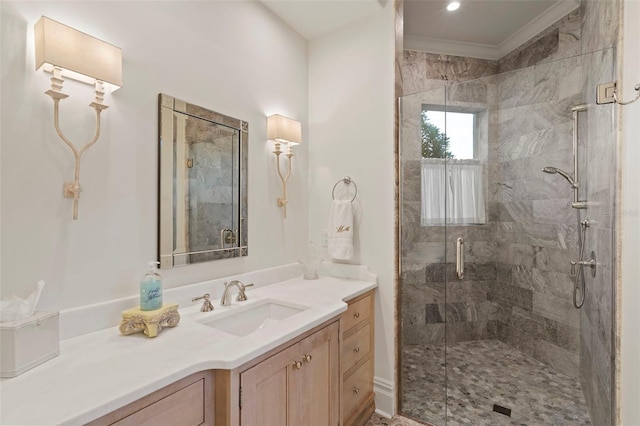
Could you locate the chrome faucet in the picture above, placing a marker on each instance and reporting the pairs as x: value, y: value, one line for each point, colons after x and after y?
x: 226, y: 295
x: 206, y: 305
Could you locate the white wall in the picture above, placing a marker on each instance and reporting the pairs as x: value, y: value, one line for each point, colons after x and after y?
x: 351, y: 113
x: 630, y: 221
x: 233, y: 57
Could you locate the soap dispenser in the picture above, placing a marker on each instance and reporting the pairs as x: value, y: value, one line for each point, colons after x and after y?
x: 151, y: 289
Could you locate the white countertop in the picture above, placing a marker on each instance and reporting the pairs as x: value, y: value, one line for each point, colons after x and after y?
x: 99, y: 372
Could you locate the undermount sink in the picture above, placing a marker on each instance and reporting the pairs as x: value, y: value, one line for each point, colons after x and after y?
x: 241, y: 321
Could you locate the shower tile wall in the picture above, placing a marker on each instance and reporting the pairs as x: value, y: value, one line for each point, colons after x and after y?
x: 536, y: 226
x: 560, y: 40
x: 518, y: 288
x: 596, y: 317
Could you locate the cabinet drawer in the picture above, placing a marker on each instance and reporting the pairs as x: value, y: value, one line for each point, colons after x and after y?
x: 357, y: 312
x: 356, y: 388
x: 356, y: 347
x: 184, y: 407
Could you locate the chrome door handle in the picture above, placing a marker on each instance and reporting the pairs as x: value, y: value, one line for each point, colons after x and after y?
x: 460, y: 258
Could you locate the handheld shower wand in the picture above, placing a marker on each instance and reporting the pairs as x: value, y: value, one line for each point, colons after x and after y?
x: 577, y: 204
x: 554, y: 170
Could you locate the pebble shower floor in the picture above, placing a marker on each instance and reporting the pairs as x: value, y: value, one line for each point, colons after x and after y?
x: 481, y: 374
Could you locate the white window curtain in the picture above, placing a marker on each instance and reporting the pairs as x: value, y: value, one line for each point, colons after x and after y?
x: 452, y: 192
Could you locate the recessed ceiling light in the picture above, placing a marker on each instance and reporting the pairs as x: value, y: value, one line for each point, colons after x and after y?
x: 454, y: 5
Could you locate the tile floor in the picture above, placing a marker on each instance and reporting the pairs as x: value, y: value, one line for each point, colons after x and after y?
x: 376, y: 420
x: 481, y: 374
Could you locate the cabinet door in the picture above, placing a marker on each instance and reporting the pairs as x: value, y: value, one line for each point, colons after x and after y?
x: 269, y: 395
x: 320, y: 378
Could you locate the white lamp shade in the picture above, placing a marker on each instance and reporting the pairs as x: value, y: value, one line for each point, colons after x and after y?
x: 283, y: 129
x: 81, y: 56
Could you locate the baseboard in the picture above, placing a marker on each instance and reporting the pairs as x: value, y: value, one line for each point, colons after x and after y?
x: 385, y: 397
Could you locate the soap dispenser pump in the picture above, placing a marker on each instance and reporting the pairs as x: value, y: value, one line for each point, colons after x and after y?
x: 151, y: 289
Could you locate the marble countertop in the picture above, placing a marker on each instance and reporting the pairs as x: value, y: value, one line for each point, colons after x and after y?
x: 99, y: 372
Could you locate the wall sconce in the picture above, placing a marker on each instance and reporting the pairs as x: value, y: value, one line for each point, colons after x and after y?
x: 283, y: 130
x: 66, y: 52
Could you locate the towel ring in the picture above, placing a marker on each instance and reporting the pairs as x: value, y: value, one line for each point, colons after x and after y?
x: 347, y: 181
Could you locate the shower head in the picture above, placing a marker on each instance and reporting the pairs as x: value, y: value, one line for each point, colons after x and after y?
x: 550, y: 170
x: 554, y: 170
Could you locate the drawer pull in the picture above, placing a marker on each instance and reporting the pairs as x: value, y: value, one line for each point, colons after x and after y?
x: 297, y: 365
x: 356, y: 315
x: 356, y: 390
x: 356, y: 349
x: 306, y: 358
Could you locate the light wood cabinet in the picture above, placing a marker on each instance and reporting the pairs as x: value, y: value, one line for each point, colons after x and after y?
x: 296, y: 386
x: 299, y: 383
x: 357, y: 325
x: 187, y: 402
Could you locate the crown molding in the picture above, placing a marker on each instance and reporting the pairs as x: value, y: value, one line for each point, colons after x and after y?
x: 450, y: 47
x: 488, y: 51
x: 536, y: 26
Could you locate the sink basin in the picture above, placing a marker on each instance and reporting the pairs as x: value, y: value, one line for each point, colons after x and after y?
x: 241, y: 321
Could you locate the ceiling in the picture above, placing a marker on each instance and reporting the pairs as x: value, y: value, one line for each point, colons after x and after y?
x: 314, y: 18
x: 479, y: 28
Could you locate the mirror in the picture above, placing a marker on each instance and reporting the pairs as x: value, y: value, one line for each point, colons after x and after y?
x: 202, y: 197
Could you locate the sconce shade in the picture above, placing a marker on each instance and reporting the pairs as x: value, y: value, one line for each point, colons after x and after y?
x: 283, y: 129
x: 81, y: 56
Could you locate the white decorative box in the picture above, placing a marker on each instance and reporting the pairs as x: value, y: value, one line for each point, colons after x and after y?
x: 27, y: 343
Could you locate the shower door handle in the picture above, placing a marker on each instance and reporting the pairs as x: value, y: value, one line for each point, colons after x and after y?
x: 460, y: 258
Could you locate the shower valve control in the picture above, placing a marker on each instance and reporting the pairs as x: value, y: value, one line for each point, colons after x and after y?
x: 582, y: 263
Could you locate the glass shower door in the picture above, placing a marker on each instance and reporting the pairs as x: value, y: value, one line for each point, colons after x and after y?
x: 423, y: 258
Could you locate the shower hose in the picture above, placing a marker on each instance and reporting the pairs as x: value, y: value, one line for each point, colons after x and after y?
x: 578, y: 277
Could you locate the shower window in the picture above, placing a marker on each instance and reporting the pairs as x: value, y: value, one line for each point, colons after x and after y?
x: 448, y: 134
x: 452, y: 177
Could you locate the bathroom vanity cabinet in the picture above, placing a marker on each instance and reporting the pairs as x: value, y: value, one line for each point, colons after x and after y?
x: 312, y: 368
x: 357, y: 360
x: 297, y: 385
x: 317, y: 378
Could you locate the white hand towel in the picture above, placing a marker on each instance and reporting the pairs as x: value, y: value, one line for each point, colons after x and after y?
x: 340, y: 230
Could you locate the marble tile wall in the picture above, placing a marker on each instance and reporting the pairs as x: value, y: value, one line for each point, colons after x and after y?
x: 560, y: 40
x: 422, y: 71
x: 522, y: 289
x: 600, y: 23
x: 596, y: 319
x: 536, y: 227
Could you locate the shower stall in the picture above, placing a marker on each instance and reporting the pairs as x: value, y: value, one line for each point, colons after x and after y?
x: 493, y: 245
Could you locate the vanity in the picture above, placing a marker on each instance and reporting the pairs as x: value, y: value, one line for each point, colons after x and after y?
x: 312, y: 363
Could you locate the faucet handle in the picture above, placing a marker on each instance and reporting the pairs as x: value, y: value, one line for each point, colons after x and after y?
x: 206, y: 305
x: 242, y: 297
